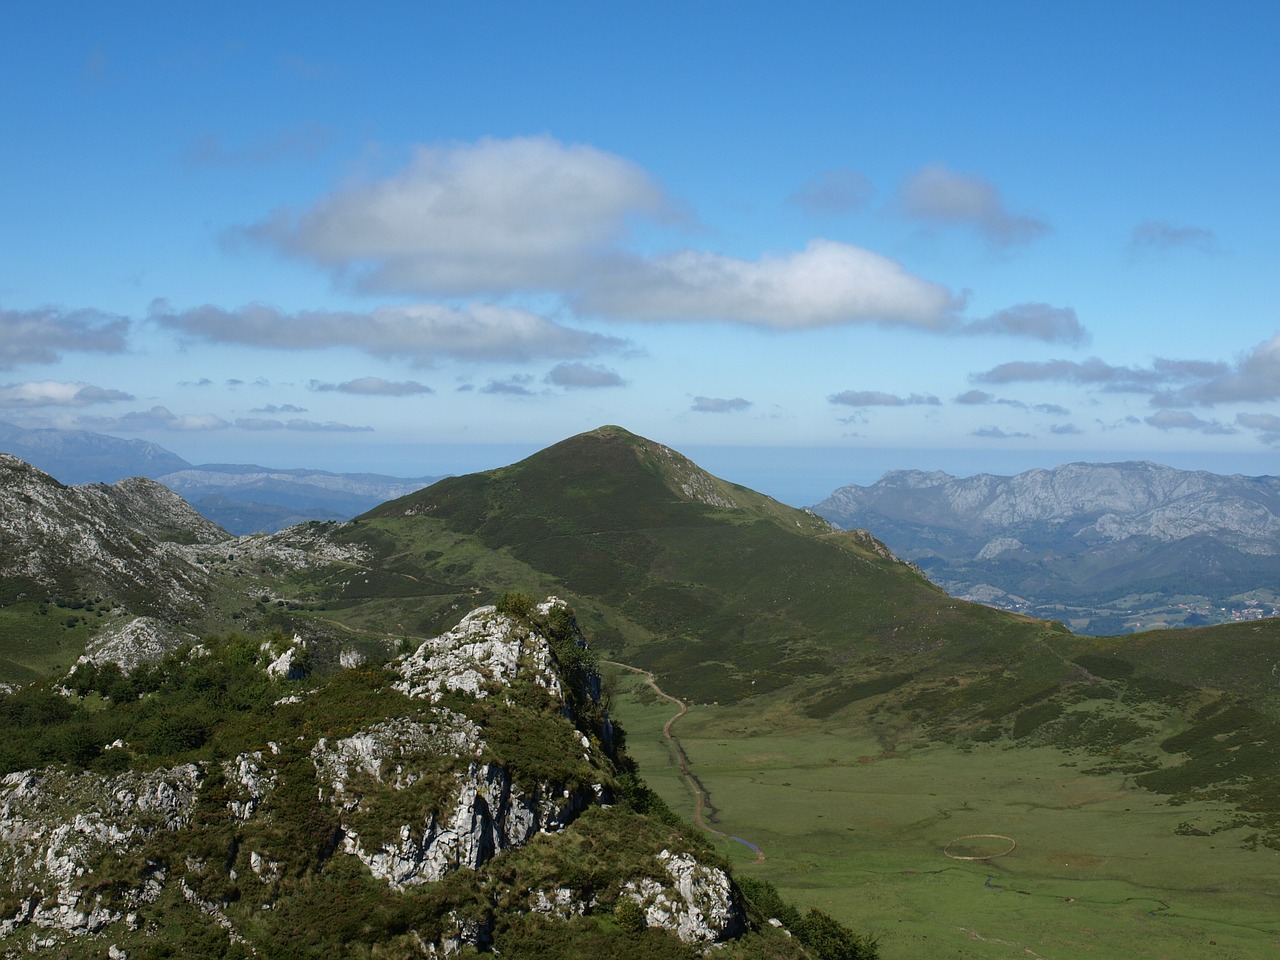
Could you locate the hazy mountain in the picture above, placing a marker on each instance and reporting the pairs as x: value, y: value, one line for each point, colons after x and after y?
x: 1104, y: 547
x: 245, y: 498
x: 81, y: 456
x: 241, y: 498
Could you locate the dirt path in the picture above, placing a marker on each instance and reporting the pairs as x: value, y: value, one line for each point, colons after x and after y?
x: 702, y: 799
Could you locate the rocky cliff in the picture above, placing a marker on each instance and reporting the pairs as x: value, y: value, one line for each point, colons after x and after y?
x: 439, y: 798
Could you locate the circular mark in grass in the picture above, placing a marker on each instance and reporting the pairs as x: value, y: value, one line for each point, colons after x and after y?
x: 980, y: 846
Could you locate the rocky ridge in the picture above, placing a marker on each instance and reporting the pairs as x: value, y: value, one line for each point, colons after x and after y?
x: 122, y: 541
x: 414, y: 797
x: 1076, y: 538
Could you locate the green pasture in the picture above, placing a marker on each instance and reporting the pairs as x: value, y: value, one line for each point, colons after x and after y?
x: 856, y: 824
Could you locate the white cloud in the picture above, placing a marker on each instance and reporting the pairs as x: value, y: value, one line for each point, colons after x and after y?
x: 877, y: 398
x: 54, y: 393
x: 719, y: 405
x: 1255, y: 377
x: 943, y: 197
x: 1267, y: 425
x: 474, y: 218
x: 157, y: 418
x: 827, y: 283
x: 583, y: 376
x: 1159, y: 237
x: 1037, y: 321
x: 421, y: 333
x: 43, y: 335
x: 373, y: 386
x: 514, y: 386
x: 995, y: 433
x: 1184, y: 420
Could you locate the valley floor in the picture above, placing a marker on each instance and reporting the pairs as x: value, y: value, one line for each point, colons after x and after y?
x: 856, y: 825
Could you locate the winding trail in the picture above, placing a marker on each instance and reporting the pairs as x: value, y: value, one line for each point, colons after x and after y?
x: 702, y: 798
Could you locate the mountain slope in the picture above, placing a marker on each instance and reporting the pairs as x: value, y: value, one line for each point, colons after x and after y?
x: 100, y: 540
x: 722, y: 590
x: 1087, y: 543
x: 469, y: 795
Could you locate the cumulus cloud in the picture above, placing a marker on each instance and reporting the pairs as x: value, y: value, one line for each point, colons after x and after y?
x: 719, y: 405
x: 943, y: 197
x: 1096, y: 372
x: 328, y: 426
x: 1267, y: 425
x: 259, y: 423
x: 1037, y: 321
x: 516, y: 386
x: 474, y: 218
x: 157, y: 418
x: 43, y: 335
x: 1065, y: 429
x: 1156, y: 236
x: 421, y: 333
x: 578, y: 376
x: 876, y: 398
x: 827, y: 283
x: 1185, y: 420
x: 279, y: 408
x: 1254, y: 377
x: 981, y: 397
x: 834, y: 192
x: 373, y: 386
x: 54, y: 393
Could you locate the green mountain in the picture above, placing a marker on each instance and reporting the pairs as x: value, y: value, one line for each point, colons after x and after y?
x: 723, y: 591
x: 221, y: 794
x: 859, y: 726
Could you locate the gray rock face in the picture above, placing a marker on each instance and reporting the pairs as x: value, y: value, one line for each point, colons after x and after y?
x: 1116, y: 500
x: 1078, y: 535
x: 45, y: 851
x: 483, y: 650
x: 696, y: 903
x: 119, y: 540
x: 138, y: 641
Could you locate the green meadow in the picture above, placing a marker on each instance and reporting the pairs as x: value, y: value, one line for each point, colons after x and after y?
x: 1101, y: 868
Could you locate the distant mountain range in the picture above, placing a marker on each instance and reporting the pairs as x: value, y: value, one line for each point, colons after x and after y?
x: 242, y: 498
x: 1104, y: 547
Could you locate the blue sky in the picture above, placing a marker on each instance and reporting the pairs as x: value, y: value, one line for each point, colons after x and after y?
x: 804, y: 243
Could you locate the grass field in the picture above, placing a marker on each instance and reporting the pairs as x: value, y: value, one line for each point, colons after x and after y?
x: 1101, y: 868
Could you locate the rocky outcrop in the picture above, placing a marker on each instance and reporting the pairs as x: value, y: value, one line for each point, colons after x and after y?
x: 131, y: 644
x: 90, y: 860
x: 478, y: 809
x: 55, y: 825
x: 485, y: 650
x: 696, y: 902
